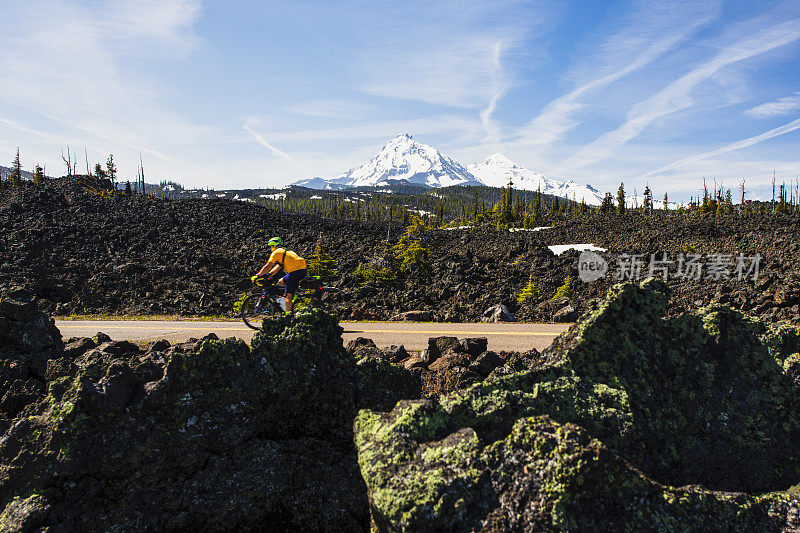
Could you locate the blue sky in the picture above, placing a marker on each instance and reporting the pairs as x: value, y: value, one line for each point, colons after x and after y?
x: 258, y: 94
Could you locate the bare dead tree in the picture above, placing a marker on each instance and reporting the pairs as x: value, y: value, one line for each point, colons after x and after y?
x: 68, y: 162
x: 741, y: 187
x: 141, y: 174
x: 773, y: 191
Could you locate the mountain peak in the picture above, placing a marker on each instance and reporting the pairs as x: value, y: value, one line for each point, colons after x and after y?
x: 497, y: 169
x: 401, y: 139
x: 499, y: 159
x: 404, y: 160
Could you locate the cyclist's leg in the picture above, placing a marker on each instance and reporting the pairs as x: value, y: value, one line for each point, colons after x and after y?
x: 292, y: 281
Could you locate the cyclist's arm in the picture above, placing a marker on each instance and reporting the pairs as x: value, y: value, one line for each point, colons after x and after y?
x: 269, y: 268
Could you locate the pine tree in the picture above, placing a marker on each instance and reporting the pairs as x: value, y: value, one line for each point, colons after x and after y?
x: 530, y: 291
x: 666, y: 201
x: 128, y: 189
x: 565, y: 290
x: 607, y: 206
x: 38, y: 175
x: 16, y: 172
x: 321, y: 264
x: 621, y: 199
x: 98, y: 171
x: 647, y: 199
x: 537, y: 203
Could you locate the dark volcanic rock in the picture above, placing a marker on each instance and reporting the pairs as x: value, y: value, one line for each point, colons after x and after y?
x: 414, y: 316
x: 394, y: 354
x: 623, y: 407
x: 29, y: 342
x: 102, y: 254
x: 209, y: 436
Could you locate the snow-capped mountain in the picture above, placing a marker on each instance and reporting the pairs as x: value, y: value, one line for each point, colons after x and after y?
x: 496, y: 170
x: 405, y: 161
x: 401, y: 161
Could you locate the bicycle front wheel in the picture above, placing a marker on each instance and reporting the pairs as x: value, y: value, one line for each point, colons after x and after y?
x: 253, y: 314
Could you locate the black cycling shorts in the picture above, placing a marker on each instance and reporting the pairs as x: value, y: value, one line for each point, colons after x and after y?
x: 293, y: 279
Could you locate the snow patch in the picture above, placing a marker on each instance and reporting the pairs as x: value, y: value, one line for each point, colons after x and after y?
x: 559, y: 249
x: 276, y: 196
x: 539, y: 228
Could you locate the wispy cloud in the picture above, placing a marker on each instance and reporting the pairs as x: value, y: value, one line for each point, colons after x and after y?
x: 500, y: 87
x: 444, y: 53
x: 649, y: 31
x: 248, y: 127
x: 676, y: 96
x: 744, y: 143
x: 73, y: 63
x: 780, y: 106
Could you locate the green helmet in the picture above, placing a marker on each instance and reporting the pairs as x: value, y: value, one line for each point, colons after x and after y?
x: 275, y: 241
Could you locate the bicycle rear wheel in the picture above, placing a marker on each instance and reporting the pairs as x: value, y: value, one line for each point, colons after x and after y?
x: 252, y: 315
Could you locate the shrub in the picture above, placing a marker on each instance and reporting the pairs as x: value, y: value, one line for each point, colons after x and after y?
x: 366, y: 274
x: 237, y: 306
x: 321, y: 264
x: 530, y: 291
x: 565, y: 290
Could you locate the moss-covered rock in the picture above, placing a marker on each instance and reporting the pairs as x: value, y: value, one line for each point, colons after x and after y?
x: 708, y: 394
x: 704, y: 399
x: 226, y: 437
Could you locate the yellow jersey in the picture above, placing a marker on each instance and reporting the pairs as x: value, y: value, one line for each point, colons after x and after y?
x: 290, y: 262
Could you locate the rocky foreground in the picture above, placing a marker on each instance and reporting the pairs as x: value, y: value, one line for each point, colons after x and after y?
x: 628, y: 422
x: 84, y: 253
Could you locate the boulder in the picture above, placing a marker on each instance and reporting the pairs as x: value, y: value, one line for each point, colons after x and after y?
x: 414, y: 316
x: 565, y: 314
x: 541, y: 475
x: 394, y: 354
x: 80, y: 346
x: 437, y: 346
x: 474, y: 345
x: 360, y: 342
x: 448, y: 360
x: 158, y: 346
x: 119, y: 348
x: 485, y: 363
x: 415, y: 361
x: 498, y: 313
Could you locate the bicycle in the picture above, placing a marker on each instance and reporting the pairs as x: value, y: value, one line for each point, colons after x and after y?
x: 267, y: 300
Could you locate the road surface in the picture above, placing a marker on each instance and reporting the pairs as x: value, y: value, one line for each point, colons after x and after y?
x: 413, y: 335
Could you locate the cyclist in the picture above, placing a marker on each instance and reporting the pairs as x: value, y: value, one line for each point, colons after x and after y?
x: 292, y: 264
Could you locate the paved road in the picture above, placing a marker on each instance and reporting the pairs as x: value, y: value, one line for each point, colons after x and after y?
x: 413, y: 335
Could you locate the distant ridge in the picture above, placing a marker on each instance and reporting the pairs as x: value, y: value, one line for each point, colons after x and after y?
x: 497, y: 169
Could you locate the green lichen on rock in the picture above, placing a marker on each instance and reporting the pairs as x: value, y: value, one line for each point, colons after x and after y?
x: 707, y: 391
x: 629, y: 397
x: 24, y: 514
x: 224, y: 437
